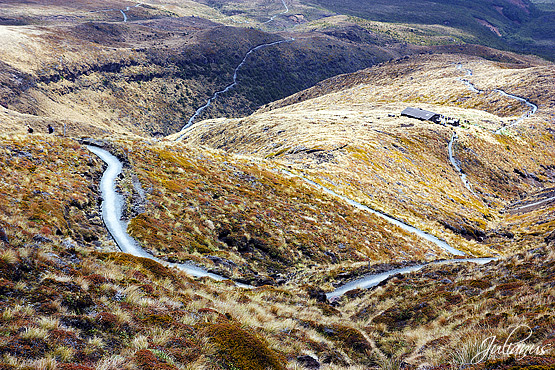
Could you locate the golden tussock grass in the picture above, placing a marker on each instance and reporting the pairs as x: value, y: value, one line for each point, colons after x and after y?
x: 236, y: 214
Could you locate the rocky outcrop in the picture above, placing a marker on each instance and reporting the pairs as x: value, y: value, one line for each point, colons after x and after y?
x: 13, y: 83
x: 3, y: 236
x: 464, y: 230
x: 308, y: 362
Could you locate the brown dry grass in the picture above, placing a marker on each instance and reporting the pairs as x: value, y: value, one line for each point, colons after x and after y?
x: 203, y: 204
x: 354, y: 142
x: 63, y: 303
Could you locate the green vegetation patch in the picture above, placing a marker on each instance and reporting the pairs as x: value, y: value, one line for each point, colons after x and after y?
x: 243, y: 350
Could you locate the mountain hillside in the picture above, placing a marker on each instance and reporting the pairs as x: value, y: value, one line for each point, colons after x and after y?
x: 517, y: 25
x: 151, y: 77
x: 299, y: 220
x: 358, y: 147
x: 233, y: 197
x: 147, y: 68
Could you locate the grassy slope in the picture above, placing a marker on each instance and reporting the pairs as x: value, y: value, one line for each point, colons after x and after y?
x: 70, y: 307
x: 151, y: 74
x: 69, y: 300
x: 363, y: 142
x: 434, y: 316
x: 263, y: 225
x: 518, y: 25
x: 46, y: 190
x: 66, y: 306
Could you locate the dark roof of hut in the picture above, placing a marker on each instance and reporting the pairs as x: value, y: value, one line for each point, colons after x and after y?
x: 418, y: 113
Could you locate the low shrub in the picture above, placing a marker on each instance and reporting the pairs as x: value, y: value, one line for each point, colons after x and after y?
x: 242, y: 349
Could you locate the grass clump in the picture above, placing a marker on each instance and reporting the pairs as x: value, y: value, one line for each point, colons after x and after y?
x: 147, y: 360
x: 145, y: 265
x: 390, y: 363
x: 470, y: 352
x: 242, y: 349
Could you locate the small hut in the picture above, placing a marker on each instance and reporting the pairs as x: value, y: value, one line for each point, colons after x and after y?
x: 421, y: 114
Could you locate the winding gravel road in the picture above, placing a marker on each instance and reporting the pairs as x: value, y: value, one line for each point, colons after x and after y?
x: 111, y: 214
x: 277, y: 15
x: 122, y: 11
x: 112, y: 210
x: 369, y: 281
x: 533, y: 107
x: 128, y: 9
x: 533, y: 110
x: 473, y: 88
x: 411, y: 229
